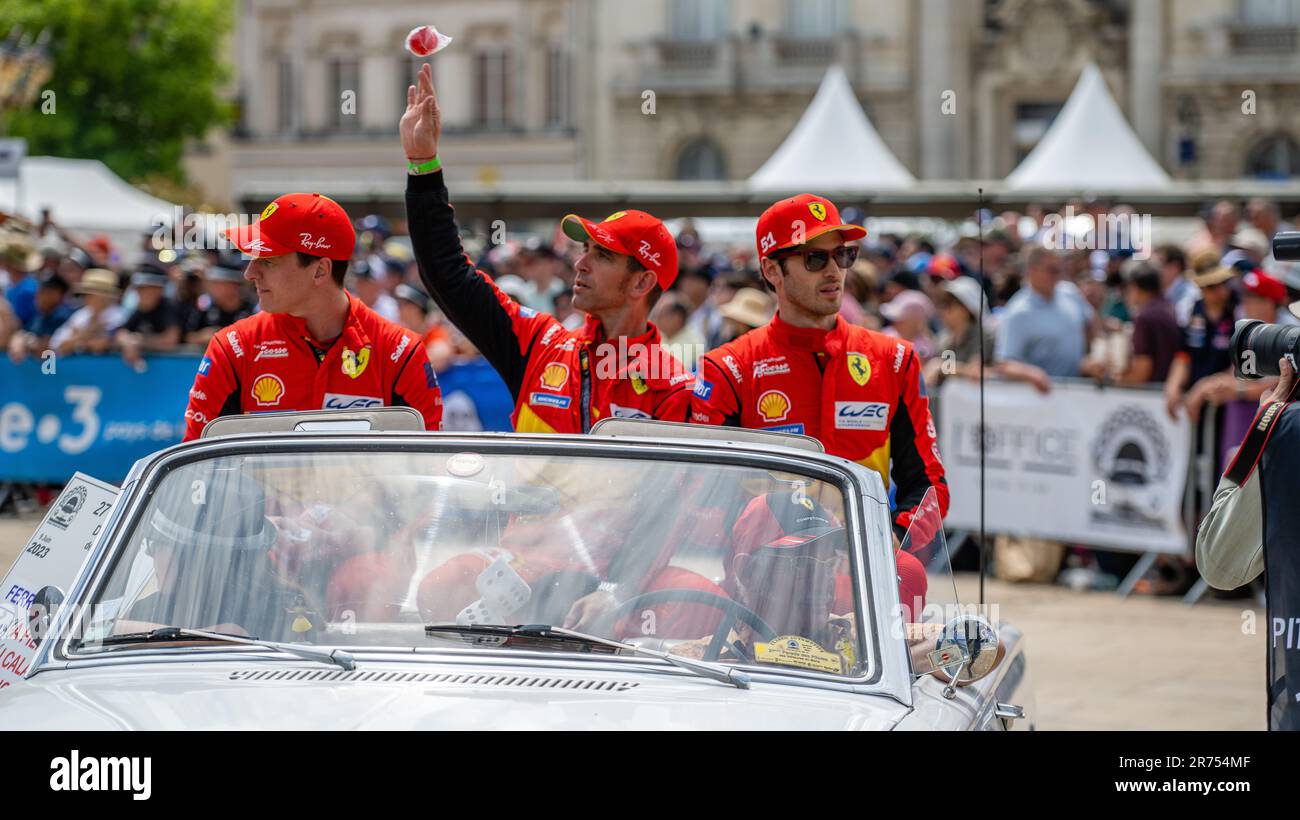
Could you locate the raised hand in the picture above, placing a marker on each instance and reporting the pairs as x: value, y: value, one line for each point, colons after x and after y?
x: 421, y: 125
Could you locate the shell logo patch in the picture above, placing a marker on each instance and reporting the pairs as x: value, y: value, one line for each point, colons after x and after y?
x: 774, y: 406
x: 354, y: 363
x: 818, y: 210
x: 268, y: 389
x: 555, y: 375
x: 859, y: 368
x: 269, y: 209
x: 616, y: 215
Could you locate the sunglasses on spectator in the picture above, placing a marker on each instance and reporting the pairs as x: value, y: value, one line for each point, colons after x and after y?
x: 815, y: 260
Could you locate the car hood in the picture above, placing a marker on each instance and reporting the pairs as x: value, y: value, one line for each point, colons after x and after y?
x: 285, y: 696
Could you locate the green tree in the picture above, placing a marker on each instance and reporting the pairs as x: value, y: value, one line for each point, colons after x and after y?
x: 133, y: 80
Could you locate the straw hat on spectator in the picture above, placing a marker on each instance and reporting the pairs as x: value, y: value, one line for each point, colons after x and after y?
x: 18, y: 254
x: 100, y: 281
x: 1252, y: 240
x: 1214, y: 276
x: 750, y: 307
x: 1205, y: 259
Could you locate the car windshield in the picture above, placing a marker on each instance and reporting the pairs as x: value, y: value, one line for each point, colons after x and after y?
x: 725, y: 562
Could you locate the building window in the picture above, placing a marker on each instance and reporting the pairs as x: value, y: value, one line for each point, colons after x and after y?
x: 345, y: 76
x: 1270, y: 12
x: 285, y: 98
x: 559, y: 87
x: 1032, y: 122
x: 813, y: 19
x: 697, y: 19
x: 701, y: 160
x: 492, y: 89
x: 1273, y: 157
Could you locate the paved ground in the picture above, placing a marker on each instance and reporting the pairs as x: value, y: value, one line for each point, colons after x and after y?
x: 1097, y: 661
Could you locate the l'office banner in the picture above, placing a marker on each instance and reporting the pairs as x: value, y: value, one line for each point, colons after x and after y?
x: 1088, y: 465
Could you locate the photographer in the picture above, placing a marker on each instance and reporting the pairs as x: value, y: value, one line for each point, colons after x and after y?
x: 1254, y: 523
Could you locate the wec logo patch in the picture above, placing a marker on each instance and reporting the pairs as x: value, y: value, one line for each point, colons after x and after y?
x: 339, y: 401
x: 861, y: 415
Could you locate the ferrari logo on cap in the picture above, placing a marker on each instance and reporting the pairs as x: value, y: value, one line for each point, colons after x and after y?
x: 859, y: 369
x: 818, y: 210
x: 354, y: 364
x: 269, y: 209
x: 616, y: 215
x: 808, y: 503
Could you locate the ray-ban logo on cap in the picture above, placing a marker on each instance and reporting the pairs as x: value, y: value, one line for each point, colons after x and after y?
x: 652, y: 258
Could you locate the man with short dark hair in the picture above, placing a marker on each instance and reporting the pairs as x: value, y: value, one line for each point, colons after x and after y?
x: 857, y: 391
x: 314, y: 345
x: 562, y: 381
x: 1157, y: 338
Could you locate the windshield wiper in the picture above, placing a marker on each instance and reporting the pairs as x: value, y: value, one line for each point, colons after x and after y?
x: 175, y: 633
x: 499, y: 635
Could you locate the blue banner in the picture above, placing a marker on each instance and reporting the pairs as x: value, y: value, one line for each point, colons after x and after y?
x: 97, y: 415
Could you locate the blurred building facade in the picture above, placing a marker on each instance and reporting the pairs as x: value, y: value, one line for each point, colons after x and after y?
x: 707, y: 89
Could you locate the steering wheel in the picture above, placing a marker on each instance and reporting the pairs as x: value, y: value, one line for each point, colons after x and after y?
x: 732, y: 611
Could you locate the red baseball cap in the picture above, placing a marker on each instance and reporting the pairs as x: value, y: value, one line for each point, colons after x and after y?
x: 306, y: 223
x: 784, y: 521
x: 631, y: 233
x: 1261, y: 284
x: 798, y: 221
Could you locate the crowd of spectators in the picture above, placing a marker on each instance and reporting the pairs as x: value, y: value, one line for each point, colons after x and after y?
x: 1120, y: 315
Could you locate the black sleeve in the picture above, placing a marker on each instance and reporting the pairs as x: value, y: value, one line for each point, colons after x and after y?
x: 465, y: 296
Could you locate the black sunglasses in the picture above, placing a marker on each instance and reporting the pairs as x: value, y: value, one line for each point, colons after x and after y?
x: 815, y: 260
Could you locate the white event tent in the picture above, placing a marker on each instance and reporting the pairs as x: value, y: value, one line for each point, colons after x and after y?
x: 1089, y: 147
x: 83, y: 195
x: 833, y: 146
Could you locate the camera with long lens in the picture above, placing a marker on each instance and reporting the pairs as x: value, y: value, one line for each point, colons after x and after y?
x: 1257, y: 346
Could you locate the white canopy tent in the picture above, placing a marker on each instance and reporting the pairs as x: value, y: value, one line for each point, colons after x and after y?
x: 833, y: 146
x: 1089, y: 147
x: 84, y: 196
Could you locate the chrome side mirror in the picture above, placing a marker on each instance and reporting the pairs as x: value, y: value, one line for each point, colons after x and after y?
x: 41, y: 613
x: 968, y: 649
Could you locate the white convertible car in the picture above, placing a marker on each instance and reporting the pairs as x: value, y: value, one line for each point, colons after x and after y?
x: 308, y: 571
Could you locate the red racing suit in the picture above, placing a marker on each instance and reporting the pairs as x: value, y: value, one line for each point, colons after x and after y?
x: 858, y: 392
x: 270, y: 362
x: 561, y: 381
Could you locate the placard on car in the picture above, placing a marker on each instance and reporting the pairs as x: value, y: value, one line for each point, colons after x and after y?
x: 53, y: 556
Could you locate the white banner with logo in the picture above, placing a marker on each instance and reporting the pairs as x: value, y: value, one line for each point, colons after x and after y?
x: 1082, y: 464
